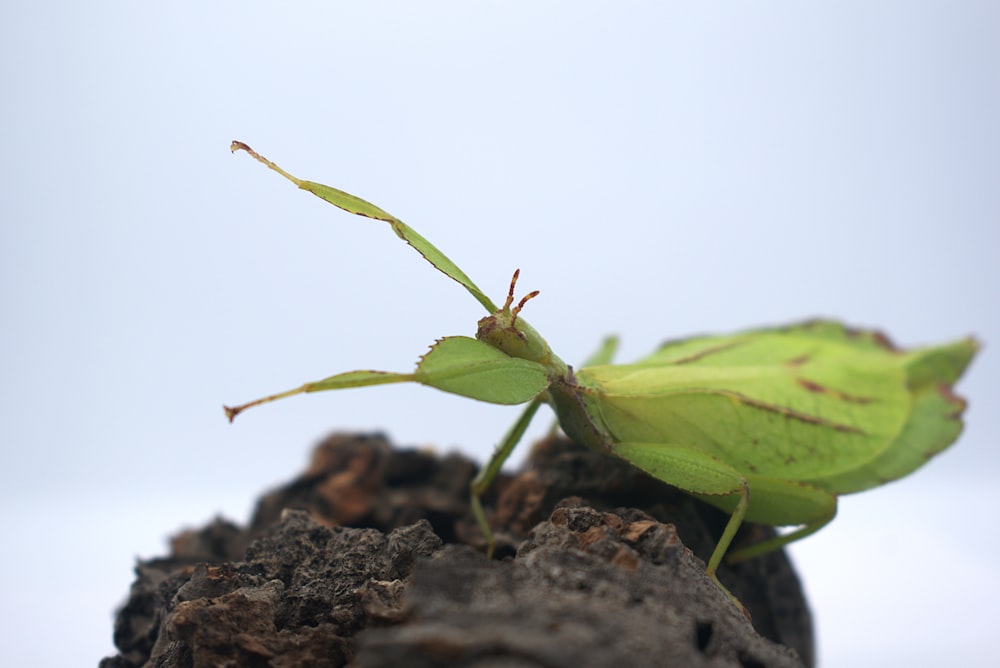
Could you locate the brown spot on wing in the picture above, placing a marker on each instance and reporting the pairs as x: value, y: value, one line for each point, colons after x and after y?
x: 956, y: 401
x: 784, y: 411
x: 811, y: 386
x: 879, y: 338
x: 711, y: 350
x: 798, y: 361
x: 837, y: 394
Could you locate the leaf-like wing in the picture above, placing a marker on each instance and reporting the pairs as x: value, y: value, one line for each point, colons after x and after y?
x: 815, y: 402
x: 934, y: 421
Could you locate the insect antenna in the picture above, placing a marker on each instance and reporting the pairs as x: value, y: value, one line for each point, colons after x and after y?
x: 510, y: 298
x: 520, y: 304
x: 510, y: 291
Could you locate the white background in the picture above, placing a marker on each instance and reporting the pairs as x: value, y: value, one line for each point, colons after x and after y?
x: 655, y: 169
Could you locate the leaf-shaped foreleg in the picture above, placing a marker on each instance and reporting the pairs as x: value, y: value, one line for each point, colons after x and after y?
x: 456, y: 364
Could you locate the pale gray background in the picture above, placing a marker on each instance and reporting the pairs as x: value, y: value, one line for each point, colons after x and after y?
x: 656, y: 169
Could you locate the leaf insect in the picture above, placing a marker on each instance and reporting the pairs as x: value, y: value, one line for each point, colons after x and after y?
x: 770, y: 425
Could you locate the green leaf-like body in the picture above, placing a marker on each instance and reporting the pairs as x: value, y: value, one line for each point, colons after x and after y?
x: 770, y: 424
x: 816, y: 404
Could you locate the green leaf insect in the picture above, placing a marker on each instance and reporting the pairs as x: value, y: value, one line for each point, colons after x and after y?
x: 770, y: 425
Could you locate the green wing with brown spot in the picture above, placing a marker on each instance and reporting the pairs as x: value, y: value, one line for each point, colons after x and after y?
x: 817, y: 403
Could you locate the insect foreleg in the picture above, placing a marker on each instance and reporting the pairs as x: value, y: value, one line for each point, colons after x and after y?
x: 489, y: 472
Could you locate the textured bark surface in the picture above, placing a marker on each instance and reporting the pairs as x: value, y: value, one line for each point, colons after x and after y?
x: 371, y: 558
